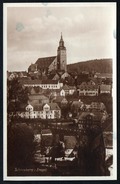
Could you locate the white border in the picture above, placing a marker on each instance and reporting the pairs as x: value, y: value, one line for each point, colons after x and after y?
x: 38, y: 178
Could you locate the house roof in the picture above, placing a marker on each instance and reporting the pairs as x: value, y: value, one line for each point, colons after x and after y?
x: 22, y: 107
x: 37, y: 97
x: 88, y: 87
x: 52, y: 75
x: 96, y: 115
x: 32, y: 82
x: 104, y: 75
x: 76, y: 103
x: 45, y: 62
x: 38, y: 107
x: 48, y: 81
x: 53, y: 106
x: 59, y: 99
x: 65, y: 87
x: 105, y: 87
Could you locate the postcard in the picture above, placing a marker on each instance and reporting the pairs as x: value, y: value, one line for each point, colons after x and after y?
x: 59, y: 91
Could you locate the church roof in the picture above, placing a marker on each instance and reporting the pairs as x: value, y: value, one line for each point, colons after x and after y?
x: 45, y: 62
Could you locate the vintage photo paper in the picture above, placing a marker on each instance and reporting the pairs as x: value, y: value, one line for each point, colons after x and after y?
x: 59, y: 91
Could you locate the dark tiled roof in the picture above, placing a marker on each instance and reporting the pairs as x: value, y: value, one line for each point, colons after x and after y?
x: 88, y: 87
x: 49, y: 81
x: 59, y: 99
x: 38, y: 107
x: 45, y: 62
x: 37, y: 97
x: 53, y: 106
x: 31, y: 82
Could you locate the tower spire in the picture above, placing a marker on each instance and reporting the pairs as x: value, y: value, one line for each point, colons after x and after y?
x: 61, y: 42
x: 61, y: 36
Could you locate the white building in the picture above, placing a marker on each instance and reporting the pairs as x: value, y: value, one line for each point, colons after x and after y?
x: 46, y: 111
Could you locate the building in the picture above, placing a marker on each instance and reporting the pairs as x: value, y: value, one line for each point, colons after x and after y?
x: 12, y: 75
x: 67, y: 90
x: 44, y: 84
x: 88, y: 89
x: 60, y: 100
x: 46, y: 111
x: 54, y: 63
x: 98, y: 106
x: 105, y: 88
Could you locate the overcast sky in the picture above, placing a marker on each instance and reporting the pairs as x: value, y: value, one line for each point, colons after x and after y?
x: 34, y: 32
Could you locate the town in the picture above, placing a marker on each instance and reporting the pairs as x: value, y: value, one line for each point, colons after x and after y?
x: 69, y: 114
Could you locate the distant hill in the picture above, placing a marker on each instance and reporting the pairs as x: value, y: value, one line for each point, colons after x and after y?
x: 97, y: 65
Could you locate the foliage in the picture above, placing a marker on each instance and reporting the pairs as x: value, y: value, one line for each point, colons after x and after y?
x: 97, y: 65
x: 20, y: 145
x: 16, y: 93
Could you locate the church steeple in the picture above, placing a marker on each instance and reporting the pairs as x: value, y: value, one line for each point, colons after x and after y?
x: 61, y: 55
x: 61, y: 43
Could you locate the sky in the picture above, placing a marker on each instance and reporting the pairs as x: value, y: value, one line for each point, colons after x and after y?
x: 34, y: 31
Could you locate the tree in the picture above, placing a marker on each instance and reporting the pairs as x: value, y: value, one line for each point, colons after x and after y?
x: 16, y: 94
x: 20, y: 146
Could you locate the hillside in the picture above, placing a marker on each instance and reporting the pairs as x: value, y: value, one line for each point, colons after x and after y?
x: 97, y: 65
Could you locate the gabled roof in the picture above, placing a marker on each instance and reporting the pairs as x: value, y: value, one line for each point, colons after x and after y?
x: 53, y: 106
x: 32, y: 82
x: 88, y: 87
x: 45, y: 62
x: 37, y: 97
x: 51, y: 76
x: 72, y: 87
x: 59, y: 99
x: 38, y: 107
x: 65, y: 87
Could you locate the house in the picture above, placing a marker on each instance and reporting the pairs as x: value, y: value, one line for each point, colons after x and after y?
x: 88, y: 89
x: 12, y: 75
x: 72, y: 89
x: 44, y: 84
x: 36, y: 90
x: 103, y: 75
x: 46, y: 111
x: 51, y: 84
x: 62, y: 92
x: 51, y: 111
x: 105, y: 89
x: 60, y: 100
x: 98, y: 106
x: 16, y: 74
x: 67, y: 90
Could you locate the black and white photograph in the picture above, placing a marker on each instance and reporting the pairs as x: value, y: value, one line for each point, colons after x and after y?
x: 59, y: 91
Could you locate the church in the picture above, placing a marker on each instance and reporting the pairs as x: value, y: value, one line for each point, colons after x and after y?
x: 54, y: 63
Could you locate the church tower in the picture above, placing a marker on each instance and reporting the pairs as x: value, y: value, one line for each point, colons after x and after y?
x: 61, y: 56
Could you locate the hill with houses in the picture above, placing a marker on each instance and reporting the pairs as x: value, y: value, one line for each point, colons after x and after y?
x: 97, y: 65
